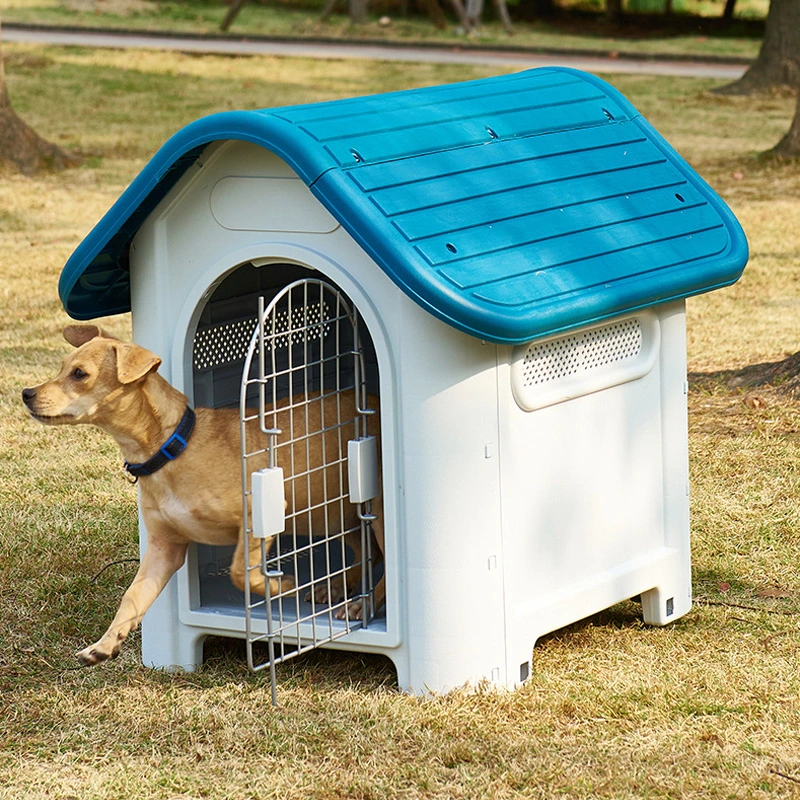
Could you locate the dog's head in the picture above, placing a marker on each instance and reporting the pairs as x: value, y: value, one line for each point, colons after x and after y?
x: 93, y: 378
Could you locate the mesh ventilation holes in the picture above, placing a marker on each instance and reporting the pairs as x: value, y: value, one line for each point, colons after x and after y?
x: 571, y: 355
x: 565, y: 367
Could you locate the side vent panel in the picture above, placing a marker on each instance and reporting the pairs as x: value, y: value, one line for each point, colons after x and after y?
x: 553, y: 370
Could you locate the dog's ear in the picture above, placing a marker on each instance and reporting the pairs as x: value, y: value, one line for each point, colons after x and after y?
x: 77, y: 335
x: 134, y: 362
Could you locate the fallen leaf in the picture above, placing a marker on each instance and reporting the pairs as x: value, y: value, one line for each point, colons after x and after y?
x: 723, y: 587
x: 754, y: 401
x: 774, y: 592
x: 737, y: 176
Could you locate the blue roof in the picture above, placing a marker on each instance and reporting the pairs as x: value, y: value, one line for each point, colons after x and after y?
x: 510, y: 207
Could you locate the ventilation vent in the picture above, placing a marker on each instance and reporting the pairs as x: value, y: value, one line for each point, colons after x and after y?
x: 571, y: 355
x: 227, y: 343
x: 554, y: 370
x: 222, y: 344
x: 291, y: 326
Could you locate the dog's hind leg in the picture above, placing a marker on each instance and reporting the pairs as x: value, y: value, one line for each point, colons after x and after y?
x: 162, y: 558
x: 355, y: 608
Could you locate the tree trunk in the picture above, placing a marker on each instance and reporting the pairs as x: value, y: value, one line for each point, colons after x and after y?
x: 233, y: 12
x: 21, y: 148
x: 789, y: 146
x: 435, y: 12
x: 730, y: 5
x: 613, y: 9
x: 778, y: 62
x: 505, y: 17
x: 358, y: 11
x: 461, y: 13
x: 474, y: 14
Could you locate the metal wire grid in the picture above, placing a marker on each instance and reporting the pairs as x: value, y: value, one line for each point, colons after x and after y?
x: 304, y: 358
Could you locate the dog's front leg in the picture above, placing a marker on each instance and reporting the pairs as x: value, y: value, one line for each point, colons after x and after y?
x: 252, y: 573
x: 162, y: 558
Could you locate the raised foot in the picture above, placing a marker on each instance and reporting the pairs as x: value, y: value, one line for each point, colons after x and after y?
x: 97, y: 653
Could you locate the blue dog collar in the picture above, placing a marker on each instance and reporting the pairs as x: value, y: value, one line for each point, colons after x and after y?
x: 168, y: 451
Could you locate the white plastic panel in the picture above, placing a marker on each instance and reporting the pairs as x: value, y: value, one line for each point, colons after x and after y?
x: 362, y: 461
x: 269, y: 515
x: 595, y: 507
x: 269, y: 204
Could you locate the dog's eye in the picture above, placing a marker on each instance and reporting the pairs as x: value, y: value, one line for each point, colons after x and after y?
x: 78, y: 374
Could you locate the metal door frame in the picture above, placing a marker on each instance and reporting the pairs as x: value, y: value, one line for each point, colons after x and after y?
x: 313, y: 320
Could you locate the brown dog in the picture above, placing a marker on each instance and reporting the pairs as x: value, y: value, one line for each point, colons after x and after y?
x: 197, y: 497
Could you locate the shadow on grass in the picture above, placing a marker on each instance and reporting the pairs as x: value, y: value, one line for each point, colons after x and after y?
x: 225, y: 659
x: 782, y: 376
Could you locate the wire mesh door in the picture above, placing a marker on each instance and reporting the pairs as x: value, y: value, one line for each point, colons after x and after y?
x: 308, y: 465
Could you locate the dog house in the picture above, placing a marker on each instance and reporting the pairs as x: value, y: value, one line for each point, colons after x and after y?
x: 498, y: 267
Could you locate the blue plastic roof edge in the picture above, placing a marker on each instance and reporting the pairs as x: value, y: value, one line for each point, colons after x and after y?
x: 331, y: 182
x: 264, y: 127
x: 119, y: 224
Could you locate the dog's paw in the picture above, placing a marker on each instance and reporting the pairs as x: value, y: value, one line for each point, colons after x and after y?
x: 325, y: 593
x: 353, y: 610
x: 96, y: 654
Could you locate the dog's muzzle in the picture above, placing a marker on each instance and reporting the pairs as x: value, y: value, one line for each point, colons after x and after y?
x: 28, y: 396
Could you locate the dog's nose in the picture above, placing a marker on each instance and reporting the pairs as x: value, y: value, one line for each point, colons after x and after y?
x: 28, y: 395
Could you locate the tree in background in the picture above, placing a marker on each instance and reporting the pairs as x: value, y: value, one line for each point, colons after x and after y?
x: 789, y: 146
x: 778, y: 64
x: 21, y: 148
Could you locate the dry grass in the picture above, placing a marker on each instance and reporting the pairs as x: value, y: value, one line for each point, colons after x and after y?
x: 707, y: 708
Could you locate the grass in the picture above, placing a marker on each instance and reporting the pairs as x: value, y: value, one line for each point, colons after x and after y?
x: 583, y: 30
x: 708, y: 707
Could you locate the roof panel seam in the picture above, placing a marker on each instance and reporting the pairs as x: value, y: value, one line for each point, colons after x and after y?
x: 491, y: 165
x: 606, y: 284
x: 435, y: 102
x: 531, y: 214
x: 588, y: 257
x: 505, y: 191
x: 484, y: 114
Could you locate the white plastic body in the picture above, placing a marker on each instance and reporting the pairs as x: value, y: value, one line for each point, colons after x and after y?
x: 501, y: 523
x: 362, y: 465
x: 268, y: 502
